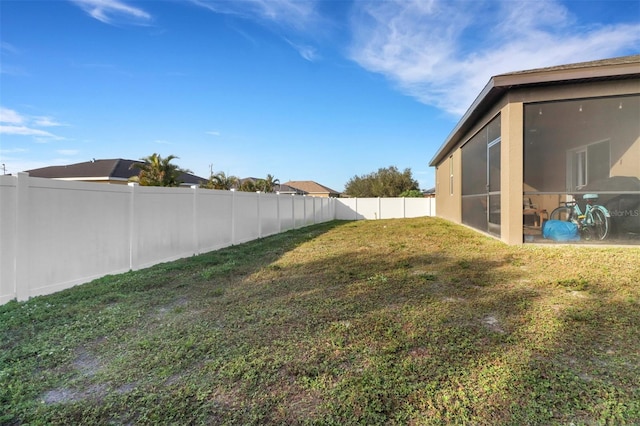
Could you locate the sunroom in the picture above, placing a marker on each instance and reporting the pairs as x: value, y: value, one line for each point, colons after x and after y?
x: 537, y: 140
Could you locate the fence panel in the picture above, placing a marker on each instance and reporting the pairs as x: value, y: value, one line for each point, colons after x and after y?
x: 73, y: 232
x: 299, y: 216
x: 269, y: 214
x: 245, y: 213
x: 286, y: 206
x: 418, y: 207
x: 214, y: 219
x: 8, y: 208
x: 390, y: 208
x: 383, y: 208
x: 162, y: 225
x: 308, y: 210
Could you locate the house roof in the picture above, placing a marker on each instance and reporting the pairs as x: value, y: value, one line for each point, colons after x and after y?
x: 286, y: 189
x: 117, y: 169
x: 310, y: 187
x: 624, y: 67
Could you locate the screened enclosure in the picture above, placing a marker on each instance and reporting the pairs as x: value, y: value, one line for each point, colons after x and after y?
x: 579, y: 147
x: 481, y: 179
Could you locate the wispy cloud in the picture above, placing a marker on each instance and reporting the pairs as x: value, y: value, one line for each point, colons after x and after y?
x: 14, y: 123
x: 26, y: 131
x: 213, y: 133
x: 286, y: 16
x: 308, y: 52
x: 114, y: 12
x: 290, y: 13
x: 444, y: 52
x: 10, y: 116
x: 47, y: 122
x: 8, y: 48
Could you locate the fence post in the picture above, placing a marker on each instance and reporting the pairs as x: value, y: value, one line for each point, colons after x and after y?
x: 314, y: 210
x: 22, y: 283
x: 278, y: 212
x: 258, y: 194
x: 293, y: 211
x: 233, y: 216
x: 133, y: 229
x: 355, y: 215
x: 195, y: 240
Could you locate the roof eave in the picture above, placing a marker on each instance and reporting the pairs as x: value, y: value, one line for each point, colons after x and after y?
x: 500, y: 84
x: 461, y: 127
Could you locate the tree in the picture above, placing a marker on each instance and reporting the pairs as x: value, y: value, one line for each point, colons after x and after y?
x: 247, y: 185
x: 268, y: 184
x: 221, y: 181
x: 412, y: 193
x: 158, y: 171
x: 386, y: 182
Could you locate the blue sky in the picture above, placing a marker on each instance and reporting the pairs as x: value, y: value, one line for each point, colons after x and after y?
x: 302, y: 90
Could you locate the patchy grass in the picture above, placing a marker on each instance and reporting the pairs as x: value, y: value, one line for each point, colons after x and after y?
x: 374, y: 322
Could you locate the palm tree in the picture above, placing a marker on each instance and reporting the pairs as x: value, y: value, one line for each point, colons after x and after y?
x: 158, y: 171
x: 221, y: 181
x: 247, y: 185
x: 269, y: 184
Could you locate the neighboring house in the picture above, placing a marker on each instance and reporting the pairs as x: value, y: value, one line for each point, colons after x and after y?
x: 286, y: 189
x: 533, y: 139
x: 309, y: 187
x: 117, y: 171
x: 429, y: 193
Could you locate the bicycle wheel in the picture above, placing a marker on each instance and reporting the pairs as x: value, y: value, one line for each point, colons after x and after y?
x: 563, y: 213
x: 600, y: 223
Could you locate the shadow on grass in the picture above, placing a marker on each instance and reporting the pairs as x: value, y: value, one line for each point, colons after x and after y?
x: 340, y: 323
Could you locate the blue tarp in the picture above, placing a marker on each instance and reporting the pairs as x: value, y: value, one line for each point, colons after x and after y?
x: 559, y: 230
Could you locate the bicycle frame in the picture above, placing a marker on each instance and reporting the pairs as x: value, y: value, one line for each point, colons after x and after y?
x: 585, y: 221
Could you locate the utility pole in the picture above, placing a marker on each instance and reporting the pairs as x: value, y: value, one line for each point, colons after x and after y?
x: 4, y: 169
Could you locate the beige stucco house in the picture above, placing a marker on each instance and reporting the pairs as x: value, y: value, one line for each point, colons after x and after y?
x: 534, y: 139
x: 308, y: 187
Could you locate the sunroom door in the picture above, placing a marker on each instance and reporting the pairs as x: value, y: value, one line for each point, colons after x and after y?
x: 493, y: 186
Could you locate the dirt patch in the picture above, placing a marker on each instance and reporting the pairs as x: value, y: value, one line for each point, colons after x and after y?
x: 492, y: 323
x: 86, y: 364
x: 65, y: 395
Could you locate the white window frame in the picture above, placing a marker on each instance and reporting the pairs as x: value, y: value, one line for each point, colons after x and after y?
x: 578, y: 165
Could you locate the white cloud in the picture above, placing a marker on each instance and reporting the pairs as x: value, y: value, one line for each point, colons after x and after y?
x: 26, y: 131
x: 289, y: 13
x: 444, y: 52
x: 113, y: 11
x: 213, y: 133
x: 12, y: 151
x: 10, y: 116
x: 286, y: 16
x: 17, y: 124
x: 46, y: 122
x: 307, y: 52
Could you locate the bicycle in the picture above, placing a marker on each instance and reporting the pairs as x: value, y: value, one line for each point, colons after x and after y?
x: 595, y: 221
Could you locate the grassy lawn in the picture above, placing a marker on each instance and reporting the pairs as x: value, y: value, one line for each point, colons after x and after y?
x: 412, y: 321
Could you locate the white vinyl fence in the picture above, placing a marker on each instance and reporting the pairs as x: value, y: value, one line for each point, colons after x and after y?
x: 384, y: 208
x: 56, y: 234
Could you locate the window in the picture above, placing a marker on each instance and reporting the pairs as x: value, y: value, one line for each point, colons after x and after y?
x: 587, y: 164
